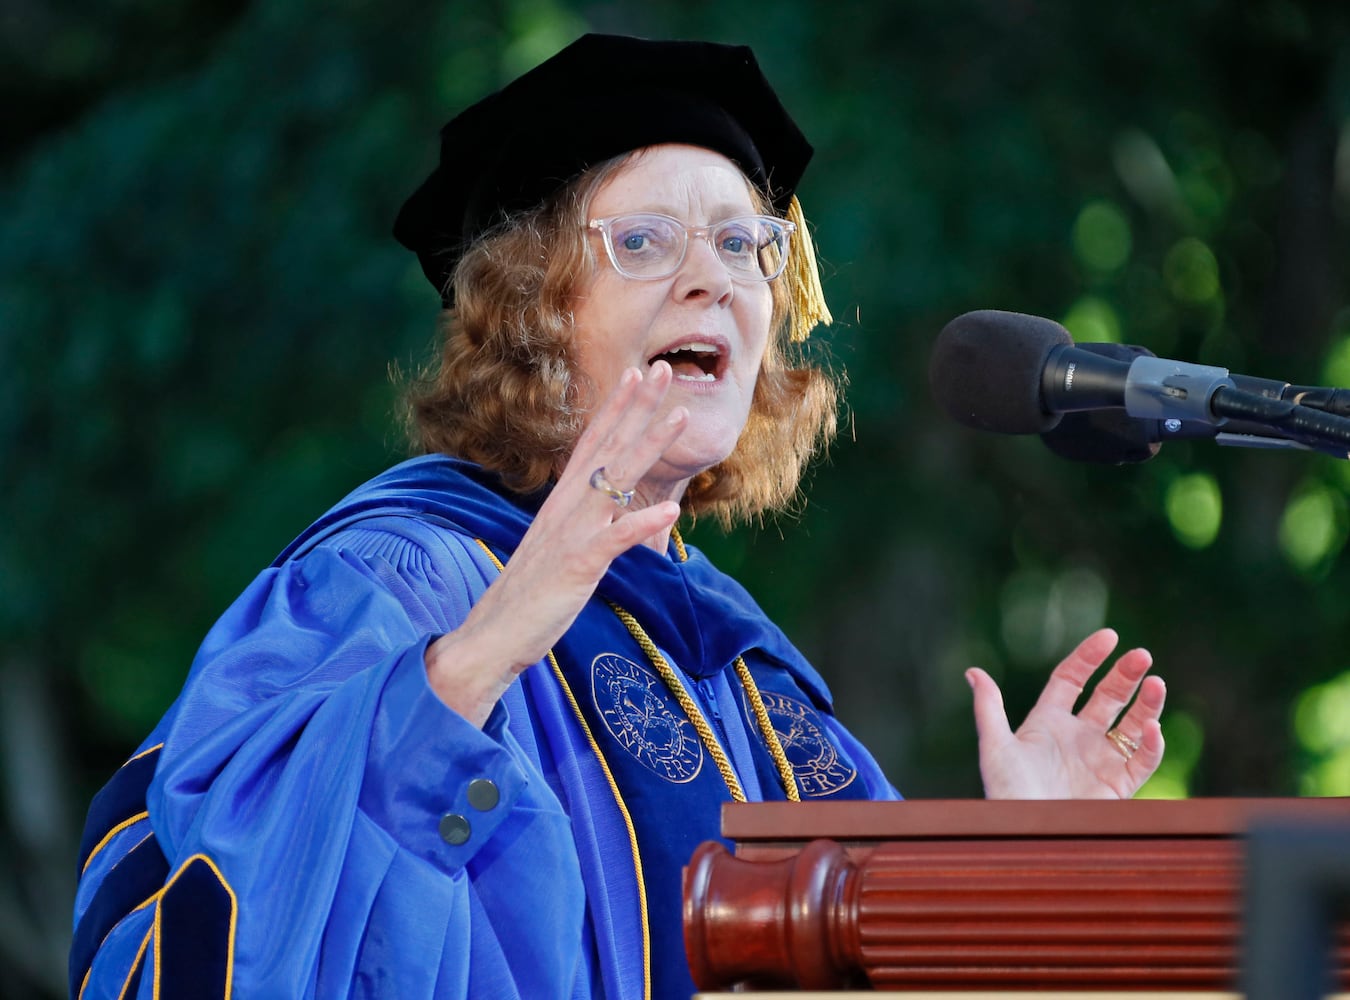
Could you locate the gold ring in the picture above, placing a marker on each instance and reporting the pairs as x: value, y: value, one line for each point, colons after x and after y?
x: 620, y: 497
x: 1127, y: 747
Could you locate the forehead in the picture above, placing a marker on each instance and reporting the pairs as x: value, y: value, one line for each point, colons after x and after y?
x: 677, y: 180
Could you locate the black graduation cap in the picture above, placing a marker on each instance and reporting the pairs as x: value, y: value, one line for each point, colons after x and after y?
x: 602, y: 96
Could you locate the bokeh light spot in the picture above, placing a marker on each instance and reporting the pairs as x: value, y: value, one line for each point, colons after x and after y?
x: 1194, y: 507
x: 1328, y: 777
x: 1093, y: 321
x: 1185, y: 739
x: 1322, y: 716
x: 1336, y: 370
x: 1101, y: 237
x: 1312, y: 527
x: 1192, y: 272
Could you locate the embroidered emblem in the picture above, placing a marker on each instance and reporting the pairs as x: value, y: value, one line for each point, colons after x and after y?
x: 644, y: 718
x: 815, y: 760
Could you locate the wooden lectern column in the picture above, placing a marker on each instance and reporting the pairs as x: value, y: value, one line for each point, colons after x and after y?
x: 978, y: 895
x: 773, y: 923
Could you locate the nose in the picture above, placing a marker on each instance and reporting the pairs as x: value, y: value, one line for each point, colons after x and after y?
x: 702, y: 273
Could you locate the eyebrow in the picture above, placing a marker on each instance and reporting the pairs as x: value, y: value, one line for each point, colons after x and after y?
x: 719, y: 213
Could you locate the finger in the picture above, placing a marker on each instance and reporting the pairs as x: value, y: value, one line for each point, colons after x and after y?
x: 1141, y: 765
x: 635, y: 419
x: 629, y: 530
x: 991, y: 719
x: 1141, y: 727
x: 631, y: 465
x: 1117, y: 688
x: 622, y: 418
x: 624, y: 446
x: 1070, y: 677
x: 1147, y: 708
x: 606, y: 416
x: 1151, y: 744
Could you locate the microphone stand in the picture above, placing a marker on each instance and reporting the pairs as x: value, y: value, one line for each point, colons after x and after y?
x: 1325, y: 432
x: 1164, y: 390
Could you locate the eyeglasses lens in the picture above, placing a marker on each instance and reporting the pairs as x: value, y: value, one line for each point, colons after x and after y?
x: 646, y: 246
x: 653, y: 246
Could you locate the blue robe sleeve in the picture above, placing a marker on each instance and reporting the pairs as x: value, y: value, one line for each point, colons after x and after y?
x: 329, y: 827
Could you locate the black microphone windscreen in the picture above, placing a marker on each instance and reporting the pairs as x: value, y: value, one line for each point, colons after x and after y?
x: 1109, y: 436
x: 986, y: 366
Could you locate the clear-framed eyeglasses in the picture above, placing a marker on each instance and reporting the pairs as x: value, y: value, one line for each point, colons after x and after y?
x: 648, y: 246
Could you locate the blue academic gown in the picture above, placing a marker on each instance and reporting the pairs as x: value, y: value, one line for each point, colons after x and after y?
x: 310, y: 820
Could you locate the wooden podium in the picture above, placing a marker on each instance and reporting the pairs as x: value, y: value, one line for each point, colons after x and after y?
x: 972, y: 895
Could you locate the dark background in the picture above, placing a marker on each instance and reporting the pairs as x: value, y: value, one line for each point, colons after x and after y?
x: 200, y: 304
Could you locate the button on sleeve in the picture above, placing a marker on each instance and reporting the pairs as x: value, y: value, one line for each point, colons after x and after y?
x: 483, y: 794
x: 455, y: 829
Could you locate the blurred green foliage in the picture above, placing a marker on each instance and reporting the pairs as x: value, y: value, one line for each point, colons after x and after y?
x: 200, y: 302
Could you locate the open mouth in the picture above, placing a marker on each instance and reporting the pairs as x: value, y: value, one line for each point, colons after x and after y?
x: 692, y: 362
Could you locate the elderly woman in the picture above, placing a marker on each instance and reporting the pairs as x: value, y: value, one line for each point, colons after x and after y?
x: 460, y: 737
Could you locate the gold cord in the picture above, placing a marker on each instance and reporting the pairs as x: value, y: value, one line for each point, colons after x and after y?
x: 700, y: 724
x: 705, y: 733
x: 681, y: 553
x: 776, y: 751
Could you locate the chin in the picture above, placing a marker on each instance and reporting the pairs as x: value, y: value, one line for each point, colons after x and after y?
x: 702, y: 453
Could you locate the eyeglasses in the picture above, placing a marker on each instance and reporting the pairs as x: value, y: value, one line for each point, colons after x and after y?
x: 647, y: 246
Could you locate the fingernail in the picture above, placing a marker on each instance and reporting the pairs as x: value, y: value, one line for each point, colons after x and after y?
x: 970, y: 679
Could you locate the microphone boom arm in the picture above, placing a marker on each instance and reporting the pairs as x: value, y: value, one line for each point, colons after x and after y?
x: 1159, y: 389
x: 1326, y: 432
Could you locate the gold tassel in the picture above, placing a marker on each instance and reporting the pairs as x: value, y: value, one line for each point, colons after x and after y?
x: 805, y: 276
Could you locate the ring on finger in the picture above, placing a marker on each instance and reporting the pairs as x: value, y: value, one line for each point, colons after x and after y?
x: 1126, y: 746
x: 621, y: 498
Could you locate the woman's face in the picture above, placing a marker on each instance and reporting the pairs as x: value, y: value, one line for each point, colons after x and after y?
x: 711, y: 329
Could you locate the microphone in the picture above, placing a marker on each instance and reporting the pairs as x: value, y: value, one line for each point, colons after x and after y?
x: 1015, y: 374
x: 1018, y: 374
x: 1113, y: 437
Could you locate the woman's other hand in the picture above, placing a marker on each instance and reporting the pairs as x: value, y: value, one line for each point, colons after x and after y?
x: 1059, y: 754
x: 577, y: 533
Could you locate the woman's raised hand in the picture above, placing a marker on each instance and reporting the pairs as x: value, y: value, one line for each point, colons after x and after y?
x: 577, y: 533
x: 1096, y: 753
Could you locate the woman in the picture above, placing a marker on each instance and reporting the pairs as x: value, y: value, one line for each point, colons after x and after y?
x: 460, y: 737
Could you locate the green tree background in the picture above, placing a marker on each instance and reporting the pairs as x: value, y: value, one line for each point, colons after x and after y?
x: 200, y: 303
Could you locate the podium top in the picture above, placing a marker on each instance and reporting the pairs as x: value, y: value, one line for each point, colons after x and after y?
x: 794, y: 822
